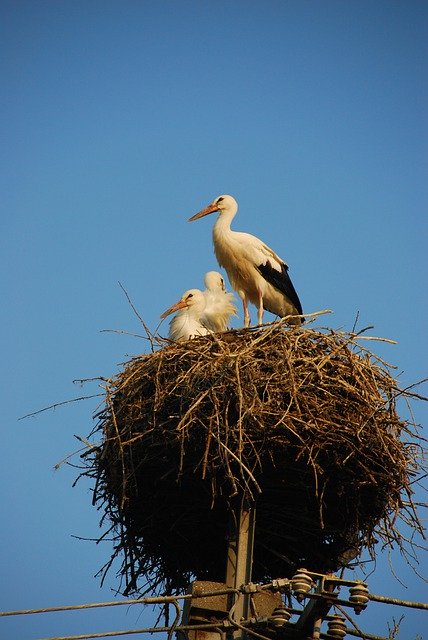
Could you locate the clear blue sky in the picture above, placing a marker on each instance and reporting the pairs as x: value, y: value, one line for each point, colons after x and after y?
x: 119, y: 121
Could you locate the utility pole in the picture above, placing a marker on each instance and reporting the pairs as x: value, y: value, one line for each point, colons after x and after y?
x: 240, y: 560
x: 238, y: 572
x: 234, y: 606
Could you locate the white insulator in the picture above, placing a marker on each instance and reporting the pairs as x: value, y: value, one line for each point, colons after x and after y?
x: 336, y: 627
x: 301, y: 583
x: 280, y: 616
x: 359, y: 596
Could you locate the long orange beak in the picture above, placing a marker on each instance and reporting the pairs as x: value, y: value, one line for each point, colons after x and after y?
x: 175, y: 307
x: 204, y: 212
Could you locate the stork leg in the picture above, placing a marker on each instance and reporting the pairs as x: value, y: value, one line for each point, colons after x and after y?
x: 246, y: 312
x: 260, y: 309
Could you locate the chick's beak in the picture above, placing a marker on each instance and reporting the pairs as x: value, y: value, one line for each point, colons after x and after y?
x: 175, y: 307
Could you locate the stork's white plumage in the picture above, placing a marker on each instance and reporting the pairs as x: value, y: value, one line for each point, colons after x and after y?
x: 219, y: 304
x: 256, y: 272
x: 187, y: 322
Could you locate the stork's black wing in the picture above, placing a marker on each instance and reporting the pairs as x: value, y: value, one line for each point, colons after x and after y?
x: 281, y: 281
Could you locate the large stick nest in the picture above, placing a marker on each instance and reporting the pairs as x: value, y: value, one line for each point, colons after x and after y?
x: 301, y: 422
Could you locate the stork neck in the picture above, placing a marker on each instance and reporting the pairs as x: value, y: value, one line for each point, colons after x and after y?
x: 223, y: 222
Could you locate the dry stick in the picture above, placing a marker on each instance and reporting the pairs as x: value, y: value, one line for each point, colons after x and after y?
x: 119, y: 441
x: 146, y: 329
x: 376, y: 338
x: 240, y: 403
x: 59, y: 464
x: 189, y: 411
x: 85, y: 442
x: 206, y: 453
x: 60, y: 404
x: 408, y: 394
x: 229, y: 473
x: 123, y: 332
x: 348, y: 617
x: 239, y: 462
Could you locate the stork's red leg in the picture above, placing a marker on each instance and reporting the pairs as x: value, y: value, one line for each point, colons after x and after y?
x: 260, y: 309
x: 246, y: 312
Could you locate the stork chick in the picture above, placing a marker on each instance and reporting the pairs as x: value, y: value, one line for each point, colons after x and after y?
x: 187, y: 323
x: 220, y: 306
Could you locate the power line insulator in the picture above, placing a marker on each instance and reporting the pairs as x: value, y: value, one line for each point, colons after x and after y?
x: 359, y: 596
x: 301, y: 583
x: 336, y: 627
x: 280, y: 616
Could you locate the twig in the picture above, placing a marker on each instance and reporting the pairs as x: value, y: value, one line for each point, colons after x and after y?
x: 60, y: 404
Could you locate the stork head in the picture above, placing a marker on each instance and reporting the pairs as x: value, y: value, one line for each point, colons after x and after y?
x: 223, y: 204
x: 192, y: 299
x: 214, y: 281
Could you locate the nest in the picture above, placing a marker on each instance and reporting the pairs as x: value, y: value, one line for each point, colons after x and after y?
x: 301, y: 423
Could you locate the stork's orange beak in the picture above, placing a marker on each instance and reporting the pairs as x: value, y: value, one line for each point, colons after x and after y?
x: 175, y: 307
x: 210, y: 209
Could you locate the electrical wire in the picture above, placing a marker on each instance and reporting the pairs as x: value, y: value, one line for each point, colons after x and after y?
x: 117, y: 603
x: 397, y: 601
x: 242, y: 625
x: 111, y: 634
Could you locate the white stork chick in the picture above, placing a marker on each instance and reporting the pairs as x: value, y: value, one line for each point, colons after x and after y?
x: 187, y: 323
x: 256, y: 272
x: 219, y: 304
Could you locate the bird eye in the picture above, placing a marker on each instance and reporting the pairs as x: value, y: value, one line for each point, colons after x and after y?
x: 190, y: 296
x: 220, y: 199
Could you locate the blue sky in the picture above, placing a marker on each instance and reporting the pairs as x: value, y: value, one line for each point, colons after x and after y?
x: 122, y: 119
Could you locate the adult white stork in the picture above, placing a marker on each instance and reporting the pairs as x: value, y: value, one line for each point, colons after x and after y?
x: 219, y: 304
x: 256, y: 272
x: 187, y: 322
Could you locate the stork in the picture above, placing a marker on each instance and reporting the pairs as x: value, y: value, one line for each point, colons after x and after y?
x: 219, y: 305
x: 256, y: 272
x: 187, y: 322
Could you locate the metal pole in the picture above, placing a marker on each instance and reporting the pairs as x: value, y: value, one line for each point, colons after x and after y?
x: 240, y: 559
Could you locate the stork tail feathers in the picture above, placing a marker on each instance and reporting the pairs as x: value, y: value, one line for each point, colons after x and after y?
x: 282, y: 282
